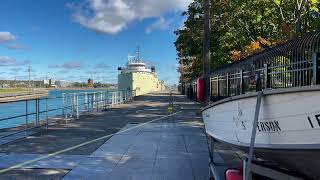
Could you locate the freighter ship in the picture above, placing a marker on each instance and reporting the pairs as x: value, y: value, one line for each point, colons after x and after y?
x: 136, y: 75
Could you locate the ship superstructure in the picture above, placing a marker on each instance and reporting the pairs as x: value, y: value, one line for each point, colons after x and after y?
x: 136, y: 75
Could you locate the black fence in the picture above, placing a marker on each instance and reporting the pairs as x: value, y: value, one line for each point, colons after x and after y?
x: 293, y: 64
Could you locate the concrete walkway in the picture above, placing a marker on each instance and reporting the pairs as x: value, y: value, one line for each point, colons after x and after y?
x: 153, y: 151
x: 149, y: 145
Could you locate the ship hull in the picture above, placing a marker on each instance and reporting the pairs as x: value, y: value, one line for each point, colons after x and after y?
x: 288, y: 130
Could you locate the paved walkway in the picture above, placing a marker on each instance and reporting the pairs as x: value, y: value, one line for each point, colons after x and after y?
x: 153, y: 151
x: 149, y: 145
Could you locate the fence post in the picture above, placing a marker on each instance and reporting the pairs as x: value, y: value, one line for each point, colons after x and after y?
x: 118, y: 99
x: 121, y: 97
x: 267, y: 79
x: 91, y: 102
x: 228, y: 85
x: 86, y: 101
x: 74, y: 104
x: 37, y: 112
x: 107, y: 98
x: 96, y: 102
x: 64, y: 108
x: 315, y: 69
x: 101, y: 99
x: 26, y: 118
x: 218, y: 87
x: 241, y: 82
x: 77, y: 104
x: 47, y: 116
x: 63, y: 105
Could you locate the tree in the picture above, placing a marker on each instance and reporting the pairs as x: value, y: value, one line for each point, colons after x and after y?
x: 241, y: 28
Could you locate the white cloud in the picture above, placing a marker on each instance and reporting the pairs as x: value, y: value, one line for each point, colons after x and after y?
x: 16, y: 47
x: 112, y: 16
x: 8, y: 61
x: 69, y: 65
x: 161, y: 24
x: 6, y: 36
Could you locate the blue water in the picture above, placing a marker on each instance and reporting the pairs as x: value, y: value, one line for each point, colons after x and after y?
x: 19, y: 108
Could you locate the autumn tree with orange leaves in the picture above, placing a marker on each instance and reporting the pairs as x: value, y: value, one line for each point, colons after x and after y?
x: 240, y: 28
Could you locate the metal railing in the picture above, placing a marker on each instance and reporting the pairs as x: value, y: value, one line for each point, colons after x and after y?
x: 68, y: 106
x: 293, y: 64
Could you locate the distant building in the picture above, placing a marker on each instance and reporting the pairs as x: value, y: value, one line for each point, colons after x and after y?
x: 90, y: 82
x: 46, y: 82
x: 20, y: 83
x: 50, y: 83
x: 62, y: 83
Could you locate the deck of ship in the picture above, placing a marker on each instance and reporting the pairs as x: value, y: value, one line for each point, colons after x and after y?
x: 138, y: 140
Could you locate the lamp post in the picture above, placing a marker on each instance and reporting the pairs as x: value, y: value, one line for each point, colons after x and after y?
x: 206, y: 51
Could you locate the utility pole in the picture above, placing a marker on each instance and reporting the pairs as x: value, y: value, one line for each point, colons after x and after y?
x: 29, y: 71
x: 181, y: 72
x: 206, y: 52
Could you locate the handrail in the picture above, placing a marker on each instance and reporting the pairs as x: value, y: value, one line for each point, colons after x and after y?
x: 70, y: 106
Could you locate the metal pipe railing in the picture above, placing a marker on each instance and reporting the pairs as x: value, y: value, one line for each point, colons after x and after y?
x: 292, y: 64
x: 72, y: 106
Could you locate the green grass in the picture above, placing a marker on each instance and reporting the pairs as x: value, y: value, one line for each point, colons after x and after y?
x: 12, y: 90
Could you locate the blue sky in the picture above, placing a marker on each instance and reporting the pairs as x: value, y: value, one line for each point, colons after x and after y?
x: 75, y: 40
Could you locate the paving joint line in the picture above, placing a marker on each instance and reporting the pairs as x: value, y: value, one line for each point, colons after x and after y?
x: 80, y: 145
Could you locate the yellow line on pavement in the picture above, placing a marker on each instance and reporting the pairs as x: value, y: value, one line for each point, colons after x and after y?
x: 80, y: 145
